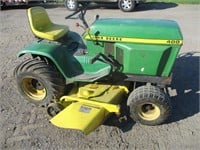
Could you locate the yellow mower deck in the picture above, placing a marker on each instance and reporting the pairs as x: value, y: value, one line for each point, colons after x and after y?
x: 89, y: 106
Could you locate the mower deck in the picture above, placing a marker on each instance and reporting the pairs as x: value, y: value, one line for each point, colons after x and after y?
x: 89, y: 107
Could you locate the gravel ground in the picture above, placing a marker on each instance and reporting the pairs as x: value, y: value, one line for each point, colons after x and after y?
x: 23, y: 126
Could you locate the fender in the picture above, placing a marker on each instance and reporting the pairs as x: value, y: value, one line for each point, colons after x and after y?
x: 59, y: 54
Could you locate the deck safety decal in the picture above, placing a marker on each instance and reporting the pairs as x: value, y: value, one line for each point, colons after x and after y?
x: 85, y: 109
x: 133, y: 40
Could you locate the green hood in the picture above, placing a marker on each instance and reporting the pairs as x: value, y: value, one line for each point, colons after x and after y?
x: 136, y: 28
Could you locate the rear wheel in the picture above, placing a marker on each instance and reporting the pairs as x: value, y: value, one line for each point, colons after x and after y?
x: 2, y: 5
x: 39, y: 82
x: 72, y: 5
x: 126, y: 5
x: 149, y: 105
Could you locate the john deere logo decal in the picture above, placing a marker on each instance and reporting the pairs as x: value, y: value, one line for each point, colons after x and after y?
x: 133, y: 40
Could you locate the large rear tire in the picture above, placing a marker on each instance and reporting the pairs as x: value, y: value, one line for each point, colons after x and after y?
x: 149, y: 105
x: 39, y: 82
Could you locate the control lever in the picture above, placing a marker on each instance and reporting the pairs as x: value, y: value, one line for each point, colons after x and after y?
x: 95, y: 58
x: 107, y: 59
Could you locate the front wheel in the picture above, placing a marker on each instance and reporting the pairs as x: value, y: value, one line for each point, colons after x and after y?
x: 126, y: 5
x: 149, y: 105
x: 39, y: 82
x: 71, y: 5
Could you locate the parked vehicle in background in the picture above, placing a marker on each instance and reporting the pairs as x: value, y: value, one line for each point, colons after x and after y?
x: 124, y: 5
x: 4, y: 3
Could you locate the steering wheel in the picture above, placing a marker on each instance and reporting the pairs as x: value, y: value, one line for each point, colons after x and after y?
x: 82, y: 10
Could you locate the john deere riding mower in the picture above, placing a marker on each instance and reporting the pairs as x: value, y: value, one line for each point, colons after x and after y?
x: 83, y: 81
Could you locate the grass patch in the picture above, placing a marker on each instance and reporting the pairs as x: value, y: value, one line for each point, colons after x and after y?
x: 177, y: 1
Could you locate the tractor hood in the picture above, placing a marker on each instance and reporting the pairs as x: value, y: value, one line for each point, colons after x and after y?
x: 116, y: 30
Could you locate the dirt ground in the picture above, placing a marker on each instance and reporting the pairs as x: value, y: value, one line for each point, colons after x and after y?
x: 23, y: 126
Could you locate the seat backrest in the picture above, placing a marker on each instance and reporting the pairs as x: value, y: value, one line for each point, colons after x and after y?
x: 38, y: 18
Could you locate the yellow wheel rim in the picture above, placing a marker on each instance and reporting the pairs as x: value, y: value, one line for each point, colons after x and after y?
x: 149, y: 111
x: 34, y: 89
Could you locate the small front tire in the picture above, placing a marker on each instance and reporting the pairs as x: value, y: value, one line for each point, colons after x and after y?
x: 54, y: 108
x: 149, y: 105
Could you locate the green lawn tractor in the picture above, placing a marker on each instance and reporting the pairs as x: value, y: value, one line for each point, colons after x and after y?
x: 83, y: 80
